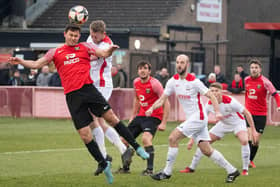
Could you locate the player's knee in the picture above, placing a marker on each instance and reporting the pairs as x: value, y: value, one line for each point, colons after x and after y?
x: 85, y: 135
x: 244, y: 141
x: 172, y: 139
x: 111, y: 118
x: 147, y: 139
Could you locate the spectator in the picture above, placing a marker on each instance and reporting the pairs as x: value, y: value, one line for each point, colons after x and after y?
x: 219, y: 76
x: 31, y: 77
x: 123, y: 73
x: 4, y: 74
x: 16, y: 80
x: 211, y: 79
x: 44, y: 77
x: 163, y: 76
x: 237, y: 85
x: 55, y: 80
x: 117, y: 77
x: 240, y: 70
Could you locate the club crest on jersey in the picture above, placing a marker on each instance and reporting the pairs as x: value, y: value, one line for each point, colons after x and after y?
x: 77, y: 48
x: 148, y: 90
x: 259, y: 86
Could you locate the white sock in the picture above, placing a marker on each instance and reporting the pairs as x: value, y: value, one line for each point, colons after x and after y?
x: 219, y: 159
x: 171, y: 157
x: 245, y: 153
x: 114, y: 138
x: 196, y: 158
x: 98, y: 135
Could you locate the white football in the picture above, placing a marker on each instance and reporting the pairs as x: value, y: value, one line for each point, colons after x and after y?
x: 78, y: 15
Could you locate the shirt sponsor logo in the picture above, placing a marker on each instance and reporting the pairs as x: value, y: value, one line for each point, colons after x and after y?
x: 71, y: 59
x: 184, y: 97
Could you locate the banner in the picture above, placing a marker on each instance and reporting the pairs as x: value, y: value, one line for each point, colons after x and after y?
x: 209, y: 11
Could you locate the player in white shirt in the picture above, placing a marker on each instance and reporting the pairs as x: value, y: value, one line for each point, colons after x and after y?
x: 100, y: 73
x: 188, y: 90
x: 232, y: 121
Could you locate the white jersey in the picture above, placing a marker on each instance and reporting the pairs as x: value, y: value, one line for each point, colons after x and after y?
x: 188, y: 92
x: 231, y: 110
x: 100, y: 71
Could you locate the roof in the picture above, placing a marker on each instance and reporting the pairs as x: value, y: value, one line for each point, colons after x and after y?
x: 136, y: 15
x: 264, y: 28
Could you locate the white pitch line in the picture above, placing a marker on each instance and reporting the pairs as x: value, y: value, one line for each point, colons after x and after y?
x: 275, y: 146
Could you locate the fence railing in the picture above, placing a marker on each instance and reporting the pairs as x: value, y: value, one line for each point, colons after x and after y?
x: 49, y: 102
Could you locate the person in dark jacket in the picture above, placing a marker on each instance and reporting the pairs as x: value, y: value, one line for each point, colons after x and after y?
x: 55, y: 80
x: 16, y: 80
x: 237, y: 85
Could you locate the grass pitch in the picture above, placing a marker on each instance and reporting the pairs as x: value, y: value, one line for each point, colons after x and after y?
x: 44, y: 152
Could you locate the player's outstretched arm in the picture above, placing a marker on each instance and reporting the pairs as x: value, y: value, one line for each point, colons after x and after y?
x: 157, y: 104
x: 104, y: 53
x: 29, y: 63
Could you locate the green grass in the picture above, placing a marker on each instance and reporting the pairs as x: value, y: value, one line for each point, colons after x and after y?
x: 44, y: 152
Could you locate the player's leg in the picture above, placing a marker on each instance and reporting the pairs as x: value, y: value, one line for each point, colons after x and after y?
x: 111, y: 134
x: 174, y: 138
x: 245, y: 150
x: 149, y: 128
x: 198, y: 155
x: 82, y: 118
x: 219, y: 159
x: 215, y: 155
x: 98, y: 135
x: 135, y: 128
x: 147, y: 138
x: 260, y: 122
x: 100, y: 107
x: 123, y: 131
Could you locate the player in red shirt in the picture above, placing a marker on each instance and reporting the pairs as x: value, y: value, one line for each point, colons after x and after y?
x: 257, y: 86
x: 147, y: 91
x: 72, y: 61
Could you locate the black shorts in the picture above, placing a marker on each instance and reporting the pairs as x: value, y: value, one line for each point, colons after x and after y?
x: 260, y: 122
x: 86, y: 99
x: 143, y: 124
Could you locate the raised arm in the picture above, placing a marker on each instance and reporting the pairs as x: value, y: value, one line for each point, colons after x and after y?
x: 104, y: 53
x: 29, y: 63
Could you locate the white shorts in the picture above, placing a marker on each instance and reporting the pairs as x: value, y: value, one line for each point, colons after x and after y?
x: 220, y: 129
x: 195, y: 128
x: 106, y: 92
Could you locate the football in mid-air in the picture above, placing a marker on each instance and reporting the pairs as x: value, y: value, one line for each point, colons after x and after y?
x: 78, y: 15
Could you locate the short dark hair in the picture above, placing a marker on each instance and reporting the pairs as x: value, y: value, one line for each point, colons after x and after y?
x: 142, y: 63
x: 216, y: 85
x: 98, y: 26
x: 255, y: 61
x: 240, y: 65
x: 72, y: 27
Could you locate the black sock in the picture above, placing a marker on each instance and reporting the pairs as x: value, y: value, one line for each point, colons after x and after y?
x: 150, y: 161
x: 126, y: 134
x: 96, y: 154
x: 253, y: 153
x: 250, y: 143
